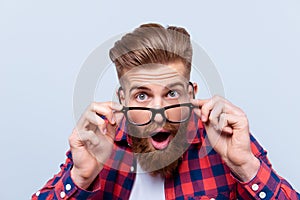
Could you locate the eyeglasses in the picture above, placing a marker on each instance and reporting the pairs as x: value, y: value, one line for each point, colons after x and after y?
x: 141, y: 116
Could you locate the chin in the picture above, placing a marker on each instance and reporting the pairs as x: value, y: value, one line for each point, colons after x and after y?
x: 160, y: 152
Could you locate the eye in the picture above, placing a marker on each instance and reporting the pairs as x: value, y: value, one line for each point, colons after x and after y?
x: 173, y: 94
x: 141, y: 96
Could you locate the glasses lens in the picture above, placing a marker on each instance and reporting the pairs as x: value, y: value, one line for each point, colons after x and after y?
x: 178, y: 114
x: 139, y: 117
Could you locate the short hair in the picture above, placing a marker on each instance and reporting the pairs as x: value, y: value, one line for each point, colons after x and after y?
x: 152, y: 43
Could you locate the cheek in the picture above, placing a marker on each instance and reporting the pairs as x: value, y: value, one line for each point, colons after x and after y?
x: 136, y: 131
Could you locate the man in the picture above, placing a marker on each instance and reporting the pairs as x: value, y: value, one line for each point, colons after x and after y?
x: 159, y: 142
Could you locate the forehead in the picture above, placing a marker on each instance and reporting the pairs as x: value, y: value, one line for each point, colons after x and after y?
x: 154, y: 74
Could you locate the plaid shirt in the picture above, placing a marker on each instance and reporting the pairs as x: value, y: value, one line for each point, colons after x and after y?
x: 201, y: 175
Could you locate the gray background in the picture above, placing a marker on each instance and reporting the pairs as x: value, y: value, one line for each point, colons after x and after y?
x: 254, y: 45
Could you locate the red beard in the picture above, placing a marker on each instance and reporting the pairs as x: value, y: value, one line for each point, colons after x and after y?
x: 165, y: 161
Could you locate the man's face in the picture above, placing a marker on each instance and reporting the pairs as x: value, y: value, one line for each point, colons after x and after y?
x: 157, y: 86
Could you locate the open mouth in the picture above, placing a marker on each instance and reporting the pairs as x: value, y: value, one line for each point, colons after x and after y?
x: 160, y: 140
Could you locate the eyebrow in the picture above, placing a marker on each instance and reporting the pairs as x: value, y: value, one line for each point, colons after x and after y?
x: 138, y: 88
x: 146, y: 88
x: 175, y: 84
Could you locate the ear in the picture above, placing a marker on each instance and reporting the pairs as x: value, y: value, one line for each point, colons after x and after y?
x: 121, y: 96
x: 193, y: 89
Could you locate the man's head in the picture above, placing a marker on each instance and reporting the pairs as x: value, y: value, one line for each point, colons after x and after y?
x: 152, y: 43
x: 153, y: 65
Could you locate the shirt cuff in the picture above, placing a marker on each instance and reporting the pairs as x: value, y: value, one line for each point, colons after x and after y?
x: 264, y: 185
x: 66, y: 188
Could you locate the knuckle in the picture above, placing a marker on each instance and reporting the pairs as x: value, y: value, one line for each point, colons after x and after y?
x: 91, y: 137
x: 245, y: 119
x: 110, y: 103
x: 96, y: 141
x: 217, y: 97
x: 101, y: 122
x: 71, y: 138
x: 105, y: 111
x: 223, y: 116
x: 205, y: 109
x: 241, y: 114
x: 92, y: 106
x: 211, y: 118
x: 74, y: 135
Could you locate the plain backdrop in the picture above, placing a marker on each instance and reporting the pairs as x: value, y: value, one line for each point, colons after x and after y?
x: 255, y: 46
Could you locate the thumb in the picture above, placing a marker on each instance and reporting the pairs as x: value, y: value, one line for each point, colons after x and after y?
x: 111, y: 131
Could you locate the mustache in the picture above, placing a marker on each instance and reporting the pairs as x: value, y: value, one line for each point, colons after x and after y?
x: 149, y: 129
x: 163, y: 162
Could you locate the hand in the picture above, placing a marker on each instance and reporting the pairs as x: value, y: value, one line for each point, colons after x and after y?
x: 91, y: 141
x: 228, y: 132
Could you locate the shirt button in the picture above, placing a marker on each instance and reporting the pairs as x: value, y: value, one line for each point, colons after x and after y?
x: 254, y: 187
x: 62, y: 194
x: 262, y: 195
x: 132, y: 168
x: 38, y: 193
x: 68, y: 187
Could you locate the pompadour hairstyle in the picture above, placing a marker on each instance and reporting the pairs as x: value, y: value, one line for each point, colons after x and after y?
x: 152, y: 43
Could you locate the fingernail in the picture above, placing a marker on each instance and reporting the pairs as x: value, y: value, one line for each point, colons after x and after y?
x: 203, y: 118
x: 104, y: 131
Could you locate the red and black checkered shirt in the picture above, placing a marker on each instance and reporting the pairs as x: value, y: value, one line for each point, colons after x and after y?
x: 201, y: 174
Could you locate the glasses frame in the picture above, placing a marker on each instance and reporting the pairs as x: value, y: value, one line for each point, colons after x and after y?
x: 155, y: 111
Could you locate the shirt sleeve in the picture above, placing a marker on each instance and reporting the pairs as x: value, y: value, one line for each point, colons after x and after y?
x: 61, y: 186
x: 267, y: 184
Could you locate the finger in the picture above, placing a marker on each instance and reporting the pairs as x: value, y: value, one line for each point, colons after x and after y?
x: 88, y: 138
x: 238, y: 122
x: 112, y: 105
x: 215, y: 113
x: 223, y: 124
x: 117, y: 114
x: 111, y: 131
x: 93, y: 118
x: 197, y: 111
x: 228, y: 106
x: 89, y: 121
x: 234, y: 122
x: 208, y: 105
x: 118, y: 117
x: 206, y: 108
x: 106, y: 109
x: 227, y: 129
x: 199, y: 102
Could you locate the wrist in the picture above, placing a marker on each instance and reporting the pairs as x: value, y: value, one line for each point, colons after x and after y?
x: 247, y: 171
x: 82, y: 179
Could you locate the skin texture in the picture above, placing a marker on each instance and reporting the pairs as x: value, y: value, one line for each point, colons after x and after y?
x: 227, y: 126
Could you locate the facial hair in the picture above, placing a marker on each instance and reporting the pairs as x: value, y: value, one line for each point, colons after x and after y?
x: 163, y: 162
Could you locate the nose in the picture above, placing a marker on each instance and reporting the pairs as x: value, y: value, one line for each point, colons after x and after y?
x: 158, y: 118
x: 158, y: 103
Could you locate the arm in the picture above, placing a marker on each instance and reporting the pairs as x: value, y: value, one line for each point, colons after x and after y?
x: 228, y: 132
x: 62, y: 186
x: 91, y: 144
x: 266, y: 183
